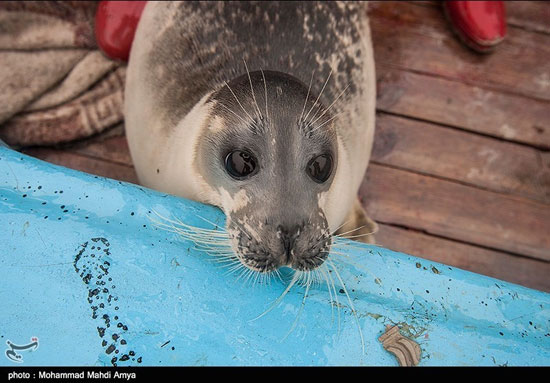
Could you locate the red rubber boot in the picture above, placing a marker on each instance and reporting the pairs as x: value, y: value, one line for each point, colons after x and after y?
x: 115, y: 26
x: 481, y: 25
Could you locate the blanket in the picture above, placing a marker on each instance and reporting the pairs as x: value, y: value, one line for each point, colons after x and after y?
x: 55, y: 84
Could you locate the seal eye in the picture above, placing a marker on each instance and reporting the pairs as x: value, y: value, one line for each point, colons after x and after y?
x: 320, y: 168
x: 240, y: 164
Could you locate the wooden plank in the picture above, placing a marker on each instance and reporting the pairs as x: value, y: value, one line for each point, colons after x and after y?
x: 86, y: 164
x: 417, y: 38
x: 449, y: 153
x: 503, y: 115
x: 457, y: 211
x: 530, y: 15
x: 112, y: 148
x: 524, y: 271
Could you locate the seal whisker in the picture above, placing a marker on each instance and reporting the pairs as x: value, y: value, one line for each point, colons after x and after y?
x: 330, y: 106
x: 322, y: 271
x: 308, y: 285
x: 339, y: 227
x: 213, y: 242
x: 357, y: 236
x: 295, y: 278
x: 343, y: 235
x: 265, y: 90
x: 202, y: 242
x: 252, y: 89
x: 317, y: 280
x: 225, y: 262
x: 235, y: 114
x: 209, y: 245
x: 242, y: 230
x: 195, y: 228
x: 245, y: 274
x: 208, y: 221
x: 219, y: 243
x: 198, y: 230
x: 234, y: 95
x: 349, y: 231
x: 338, y: 241
x: 330, y: 234
x: 277, y: 274
x: 231, y: 271
x: 206, y: 237
x: 227, y: 265
x: 319, y: 96
x: 212, y: 251
x: 346, y: 259
x: 307, y: 95
x: 352, y: 307
x: 326, y: 122
x: 237, y: 267
x: 341, y: 245
x: 328, y: 273
x: 249, y: 277
x: 201, y: 236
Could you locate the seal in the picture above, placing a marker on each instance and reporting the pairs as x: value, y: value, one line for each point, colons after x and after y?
x: 264, y: 109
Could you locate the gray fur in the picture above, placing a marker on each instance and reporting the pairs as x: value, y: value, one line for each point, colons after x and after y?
x: 209, y: 41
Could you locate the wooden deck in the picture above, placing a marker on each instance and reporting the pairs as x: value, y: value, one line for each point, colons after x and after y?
x: 460, y: 172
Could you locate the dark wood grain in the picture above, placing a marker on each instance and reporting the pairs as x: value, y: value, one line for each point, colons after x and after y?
x: 417, y: 38
x: 530, y: 15
x: 480, y: 161
x: 111, y: 146
x: 526, y: 272
x: 84, y: 163
x: 457, y: 211
x: 502, y: 115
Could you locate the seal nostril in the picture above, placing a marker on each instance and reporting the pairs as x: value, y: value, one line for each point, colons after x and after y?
x: 288, y: 238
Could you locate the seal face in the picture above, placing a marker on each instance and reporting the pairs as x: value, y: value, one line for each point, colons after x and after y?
x: 288, y: 142
x: 265, y: 110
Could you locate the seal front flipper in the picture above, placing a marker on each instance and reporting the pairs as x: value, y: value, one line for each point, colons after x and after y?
x: 359, y: 226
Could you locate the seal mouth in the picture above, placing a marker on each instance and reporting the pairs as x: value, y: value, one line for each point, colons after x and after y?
x: 265, y: 246
x: 298, y: 257
x: 259, y: 262
x: 309, y: 262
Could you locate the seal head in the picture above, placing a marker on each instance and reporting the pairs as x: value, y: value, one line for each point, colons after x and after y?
x: 270, y: 151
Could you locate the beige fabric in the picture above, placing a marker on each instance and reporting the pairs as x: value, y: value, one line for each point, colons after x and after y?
x: 55, y: 85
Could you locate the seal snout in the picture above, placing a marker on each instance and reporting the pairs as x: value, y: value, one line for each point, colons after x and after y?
x: 288, y: 237
x: 303, y: 246
x: 303, y: 253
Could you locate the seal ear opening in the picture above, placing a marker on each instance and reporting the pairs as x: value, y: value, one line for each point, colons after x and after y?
x: 358, y: 218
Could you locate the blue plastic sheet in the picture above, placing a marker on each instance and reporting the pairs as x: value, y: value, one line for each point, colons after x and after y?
x: 88, y: 279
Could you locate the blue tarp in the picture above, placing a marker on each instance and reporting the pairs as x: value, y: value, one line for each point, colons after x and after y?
x: 89, y: 279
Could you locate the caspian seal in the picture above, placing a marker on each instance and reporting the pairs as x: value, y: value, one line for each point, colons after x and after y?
x: 265, y: 109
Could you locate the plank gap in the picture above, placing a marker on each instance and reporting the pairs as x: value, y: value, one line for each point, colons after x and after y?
x: 457, y: 240
x: 541, y: 148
